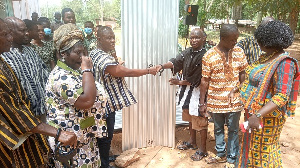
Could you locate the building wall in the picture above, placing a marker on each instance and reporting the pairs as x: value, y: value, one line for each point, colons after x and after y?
x: 149, y: 36
x: 24, y: 8
x: 6, y: 8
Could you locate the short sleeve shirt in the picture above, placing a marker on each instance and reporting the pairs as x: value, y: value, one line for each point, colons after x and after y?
x: 224, y: 76
x: 62, y: 90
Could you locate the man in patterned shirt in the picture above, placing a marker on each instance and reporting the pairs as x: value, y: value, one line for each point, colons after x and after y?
x: 250, y: 45
x: 28, y: 66
x: 223, y: 67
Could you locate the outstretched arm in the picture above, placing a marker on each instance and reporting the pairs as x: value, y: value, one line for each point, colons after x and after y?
x: 167, y: 65
x: 121, y: 71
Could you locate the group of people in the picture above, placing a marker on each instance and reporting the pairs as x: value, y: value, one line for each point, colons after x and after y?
x: 254, y: 75
x: 79, y: 95
x: 78, y: 82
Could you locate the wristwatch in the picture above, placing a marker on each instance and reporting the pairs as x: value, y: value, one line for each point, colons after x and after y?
x: 258, y: 115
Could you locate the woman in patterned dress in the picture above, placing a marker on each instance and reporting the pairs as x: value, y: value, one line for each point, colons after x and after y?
x: 75, y: 101
x: 269, y: 94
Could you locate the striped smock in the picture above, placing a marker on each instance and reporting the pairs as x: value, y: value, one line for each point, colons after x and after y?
x: 18, y: 147
x: 32, y: 73
x: 251, y: 49
x: 119, y: 94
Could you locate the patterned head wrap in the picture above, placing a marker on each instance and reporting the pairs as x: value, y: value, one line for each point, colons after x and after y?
x: 66, y: 36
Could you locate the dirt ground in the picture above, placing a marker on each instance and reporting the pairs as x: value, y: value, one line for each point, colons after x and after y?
x: 164, y: 157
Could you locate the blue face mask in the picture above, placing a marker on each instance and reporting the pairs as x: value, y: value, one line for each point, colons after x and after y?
x: 88, y: 30
x: 47, y: 31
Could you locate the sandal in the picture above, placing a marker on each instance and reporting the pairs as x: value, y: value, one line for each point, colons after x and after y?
x: 215, y: 159
x: 197, y: 156
x: 185, y: 146
x: 229, y: 165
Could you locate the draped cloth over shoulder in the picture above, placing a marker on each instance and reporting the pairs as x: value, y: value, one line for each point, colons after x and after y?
x: 261, y: 148
x: 257, y: 99
x: 66, y: 36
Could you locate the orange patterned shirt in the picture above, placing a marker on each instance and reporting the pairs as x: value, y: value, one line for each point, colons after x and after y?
x: 224, y: 76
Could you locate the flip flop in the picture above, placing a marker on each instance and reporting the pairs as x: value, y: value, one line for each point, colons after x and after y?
x: 186, y: 145
x: 229, y: 165
x: 215, y: 159
x: 197, y: 156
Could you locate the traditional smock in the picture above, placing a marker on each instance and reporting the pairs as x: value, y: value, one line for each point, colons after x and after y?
x: 18, y: 147
x: 251, y: 49
x: 32, y: 73
x: 116, y: 87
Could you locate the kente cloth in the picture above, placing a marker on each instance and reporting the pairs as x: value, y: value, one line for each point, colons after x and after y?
x: 276, y: 81
x: 251, y: 49
x: 32, y: 73
x: 18, y: 147
x: 66, y: 36
x: 63, y: 89
x: 116, y: 87
x: 190, y: 62
x: 223, y: 77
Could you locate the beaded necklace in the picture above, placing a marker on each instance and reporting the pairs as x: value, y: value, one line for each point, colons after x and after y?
x: 264, y: 58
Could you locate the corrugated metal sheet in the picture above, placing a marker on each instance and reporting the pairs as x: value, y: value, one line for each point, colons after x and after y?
x: 149, y: 36
x: 24, y: 8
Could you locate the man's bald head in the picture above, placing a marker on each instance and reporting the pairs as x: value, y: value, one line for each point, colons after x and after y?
x: 197, y: 39
x: 11, y: 21
x: 266, y: 20
x: 198, y: 32
x: 19, y: 30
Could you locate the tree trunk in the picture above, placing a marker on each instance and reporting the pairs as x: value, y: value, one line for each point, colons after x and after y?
x: 294, y: 18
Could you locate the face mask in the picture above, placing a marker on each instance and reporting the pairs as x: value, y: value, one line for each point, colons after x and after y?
x: 47, y: 31
x: 88, y: 31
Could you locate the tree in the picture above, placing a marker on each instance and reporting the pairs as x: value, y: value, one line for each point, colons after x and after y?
x: 284, y: 10
x: 87, y: 10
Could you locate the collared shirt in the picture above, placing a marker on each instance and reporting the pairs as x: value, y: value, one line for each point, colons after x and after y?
x: 251, y: 49
x: 16, y: 122
x: 32, y: 73
x: 224, y: 76
x: 91, y: 43
x: 119, y: 94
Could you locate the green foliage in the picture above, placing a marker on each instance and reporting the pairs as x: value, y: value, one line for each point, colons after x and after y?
x: 87, y: 10
x: 182, y: 30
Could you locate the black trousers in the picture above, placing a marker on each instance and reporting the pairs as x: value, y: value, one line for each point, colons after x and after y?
x: 104, y: 143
